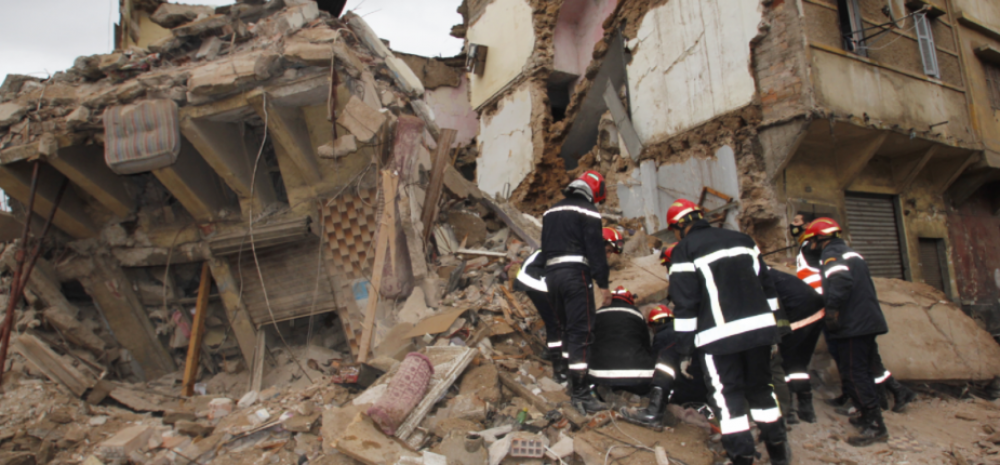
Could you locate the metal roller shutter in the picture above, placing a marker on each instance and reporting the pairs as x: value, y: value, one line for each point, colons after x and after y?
x: 871, y: 222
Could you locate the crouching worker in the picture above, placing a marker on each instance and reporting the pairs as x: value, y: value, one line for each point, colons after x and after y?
x: 622, y: 357
x: 667, y: 386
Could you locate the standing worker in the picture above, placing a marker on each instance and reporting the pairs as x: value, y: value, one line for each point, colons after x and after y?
x: 853, y: 319
x: 574, y: 252
x: 724, y: 308
x: 531, y: 280
x: 804, y: 308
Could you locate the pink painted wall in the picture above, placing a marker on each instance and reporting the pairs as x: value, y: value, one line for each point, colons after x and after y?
x: 452, y: 110
x: 579, y: 26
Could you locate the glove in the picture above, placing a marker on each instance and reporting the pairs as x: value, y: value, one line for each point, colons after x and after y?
x: 832, y: 320
x: 685, y: 364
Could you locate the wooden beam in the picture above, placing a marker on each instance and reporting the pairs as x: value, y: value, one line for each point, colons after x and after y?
x: 193, y: 182
x: 52, y: 365
x: 85, y: 166
x: 197, y: 332
x: 288, y: 128
x: 441, y: 161
x: 232, y: 156
x: 915, y: 171
x: 115, y: 298
x: 236, y: 311
x: 15, y: 180
x: 958, y: 172
x: 389, y: 184
x: 852, y: 158
x: 257, y: 370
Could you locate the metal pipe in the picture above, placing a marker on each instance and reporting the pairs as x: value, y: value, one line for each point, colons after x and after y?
x: 8, y: 321
x: 22, y: 274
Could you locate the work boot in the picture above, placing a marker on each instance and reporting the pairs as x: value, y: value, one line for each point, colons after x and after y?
x: 873, y: 430
x: 581, y: 396
x: 742, y: 460
x: 655, y: 414
x: 838, y: 402
x: 902, y: 394
x: 805, y: 407
x: 791, y: 418
x: 560, y: 366
x: 779, y: 452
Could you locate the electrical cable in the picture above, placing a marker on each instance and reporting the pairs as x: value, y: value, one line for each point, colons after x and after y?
x: 253, y: 248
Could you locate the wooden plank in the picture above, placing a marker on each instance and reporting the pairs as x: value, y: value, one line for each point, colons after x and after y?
x: 441, y: 161
x: 513, y: 300
x: 85, y: 166
x: 445, y: 374
x: 518, y: 226
x: 236, y: 312
x: 257, y: 375
x: 622, y: 121
x: 120, y: 305
x: 197, y: 331
x: 541, y: 404
x: 458, y: 185
x: 389, y: 185
x: 71, y: 217
x: 52, y: 365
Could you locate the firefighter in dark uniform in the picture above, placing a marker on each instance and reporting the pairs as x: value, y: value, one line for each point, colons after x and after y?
x: 531, y: 280
x: 804, y: 308
x: 622, y: 358
x: 724, y: 304
x: 808, y: 270
x: 666, y: 385
x: 853, y: 319
x: 573, y: 250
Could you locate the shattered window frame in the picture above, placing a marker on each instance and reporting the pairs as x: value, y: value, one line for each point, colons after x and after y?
x: 852, y: 27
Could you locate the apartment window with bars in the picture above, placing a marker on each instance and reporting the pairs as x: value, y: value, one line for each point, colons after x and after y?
x: 993, y: 83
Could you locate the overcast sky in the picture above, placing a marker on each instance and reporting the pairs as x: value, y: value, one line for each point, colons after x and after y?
x: 40, y: 37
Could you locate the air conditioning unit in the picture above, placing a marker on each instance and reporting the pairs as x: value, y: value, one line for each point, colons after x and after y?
x: 475, y: 61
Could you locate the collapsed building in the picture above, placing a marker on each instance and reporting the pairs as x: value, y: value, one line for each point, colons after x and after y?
x: 249, y: 199
x: 878, y: 114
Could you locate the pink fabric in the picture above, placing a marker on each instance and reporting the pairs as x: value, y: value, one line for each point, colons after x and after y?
x: 405, y: 391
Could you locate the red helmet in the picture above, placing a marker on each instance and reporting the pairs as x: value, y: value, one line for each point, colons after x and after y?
x: 659, y: 314
x: 595, y: 181
x: 623, y: 294
x: 820, y: 227
x: 666, y: 254
x: 679, y: 210
x: 614, y: 239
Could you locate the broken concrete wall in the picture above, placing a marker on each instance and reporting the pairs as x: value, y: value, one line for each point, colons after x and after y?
x: 643, y: 196
x: 579, y: 26
x: 506, y: 27
x: 452, y: 110
x: 506, y: 145
x: 692, y: 64
x: 974, y: 230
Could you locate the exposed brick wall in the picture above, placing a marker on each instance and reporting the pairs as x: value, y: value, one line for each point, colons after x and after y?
x: 780, y: 63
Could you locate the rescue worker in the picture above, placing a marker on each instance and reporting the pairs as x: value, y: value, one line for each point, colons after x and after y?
x: 573, y: 251
x: 622, y: 357
x: 804, y: 309
x: 724, y: 309
x: 807, y: 264
x: 853, y: 319
x: 531, y: 280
